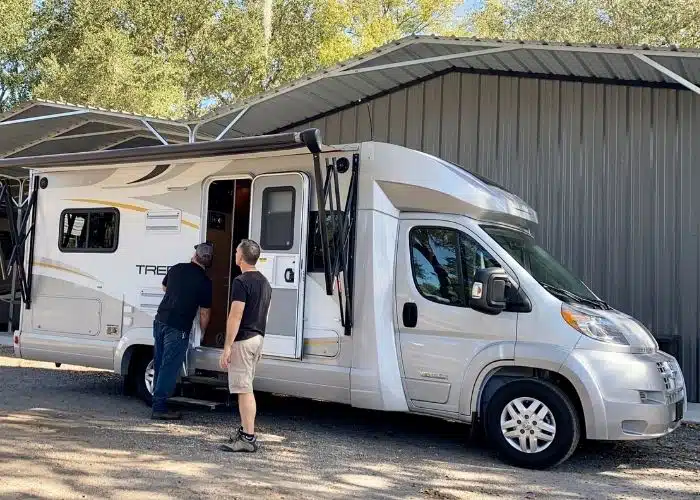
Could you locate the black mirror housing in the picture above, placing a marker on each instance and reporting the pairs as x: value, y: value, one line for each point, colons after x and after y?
x: 488, y: 293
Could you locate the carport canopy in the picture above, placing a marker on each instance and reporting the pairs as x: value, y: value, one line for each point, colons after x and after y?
x: 39, y: 128
x: 45, y: 128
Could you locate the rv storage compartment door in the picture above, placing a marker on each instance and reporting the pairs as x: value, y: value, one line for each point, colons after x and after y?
x: 279, y: 213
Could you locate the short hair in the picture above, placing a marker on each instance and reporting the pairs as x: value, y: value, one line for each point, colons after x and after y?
x: 250, y: 251
x: 204, y: 254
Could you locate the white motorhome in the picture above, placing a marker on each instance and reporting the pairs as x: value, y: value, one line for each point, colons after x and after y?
x: 401, y: 283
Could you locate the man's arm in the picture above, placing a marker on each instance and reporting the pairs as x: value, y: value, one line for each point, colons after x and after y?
x: 204, y: 317
x: 233, y: 322
x: 205, y: 305
x: 239, y: 295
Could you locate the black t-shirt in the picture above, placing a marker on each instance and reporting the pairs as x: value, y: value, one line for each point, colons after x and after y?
x: 187, y: 287
x: 253, y: 289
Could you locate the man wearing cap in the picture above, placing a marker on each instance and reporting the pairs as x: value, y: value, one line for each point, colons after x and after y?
x: 187, y: 288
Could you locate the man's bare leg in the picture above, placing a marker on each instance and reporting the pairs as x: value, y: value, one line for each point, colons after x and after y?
x: 247, y: 408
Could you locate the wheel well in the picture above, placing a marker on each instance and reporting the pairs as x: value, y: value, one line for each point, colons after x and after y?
x: 134, y: 353
x: 501, y: 376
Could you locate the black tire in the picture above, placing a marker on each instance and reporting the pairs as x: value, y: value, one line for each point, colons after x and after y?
x: 568, y: 426
x: 137, y: 376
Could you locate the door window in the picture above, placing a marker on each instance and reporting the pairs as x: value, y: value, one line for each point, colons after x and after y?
x: 278, y: 218
x: 444, y: 263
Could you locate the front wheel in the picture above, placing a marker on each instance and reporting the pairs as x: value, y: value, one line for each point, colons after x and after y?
x: 532, y: 424
x: 143, y: 377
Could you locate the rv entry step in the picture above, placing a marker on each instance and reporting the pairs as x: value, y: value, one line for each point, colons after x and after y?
x: 212, y: 405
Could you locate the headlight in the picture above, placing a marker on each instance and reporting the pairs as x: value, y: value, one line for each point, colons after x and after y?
x: 610, y: 326
x: 593, y: 325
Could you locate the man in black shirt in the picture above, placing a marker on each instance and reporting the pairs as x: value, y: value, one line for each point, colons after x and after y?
x: 187, y: 288
x: 245, y: 329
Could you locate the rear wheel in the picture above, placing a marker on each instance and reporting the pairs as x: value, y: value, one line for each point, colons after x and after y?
x: 532, y: 424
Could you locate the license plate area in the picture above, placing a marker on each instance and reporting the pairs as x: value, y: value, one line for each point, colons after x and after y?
x: 679, y: 411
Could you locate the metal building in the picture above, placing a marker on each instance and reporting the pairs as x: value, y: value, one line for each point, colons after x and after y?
x: 602, y: 141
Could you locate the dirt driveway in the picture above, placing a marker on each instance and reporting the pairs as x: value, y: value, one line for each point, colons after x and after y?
x: 67, y: 433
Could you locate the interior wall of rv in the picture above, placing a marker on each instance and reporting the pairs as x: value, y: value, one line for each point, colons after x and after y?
x: 228, y: 222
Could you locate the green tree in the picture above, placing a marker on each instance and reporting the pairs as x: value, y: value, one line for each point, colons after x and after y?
x: 17, y: 70
x: 632, y: 22
x: 174, y: 58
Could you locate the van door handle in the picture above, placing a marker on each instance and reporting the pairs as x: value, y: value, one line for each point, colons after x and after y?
x: 289, y: 275
x: 410, y: 315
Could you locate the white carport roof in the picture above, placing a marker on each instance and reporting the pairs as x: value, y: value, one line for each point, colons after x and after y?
x: 417, y: 58
x: 44, y: 127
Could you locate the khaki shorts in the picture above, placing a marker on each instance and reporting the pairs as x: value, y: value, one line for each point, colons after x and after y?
x: 244, y: 358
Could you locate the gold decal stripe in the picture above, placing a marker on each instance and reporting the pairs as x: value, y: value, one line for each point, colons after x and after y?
x: 65, y: 269
x: 126, y: 206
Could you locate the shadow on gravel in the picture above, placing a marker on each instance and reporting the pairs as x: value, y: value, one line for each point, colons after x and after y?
x: 88, y: 441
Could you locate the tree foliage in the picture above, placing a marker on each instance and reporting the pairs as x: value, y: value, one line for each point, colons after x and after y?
x: 17, y: 73
x: 175, y: 58
x: 627, y: 22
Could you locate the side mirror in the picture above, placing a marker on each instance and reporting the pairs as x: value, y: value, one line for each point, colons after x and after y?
x: 488, y: 293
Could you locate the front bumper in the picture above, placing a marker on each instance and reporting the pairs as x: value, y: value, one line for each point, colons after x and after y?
x: 630, y: 396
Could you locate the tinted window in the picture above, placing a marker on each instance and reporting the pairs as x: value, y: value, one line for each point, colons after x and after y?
x: 278, y: 218
x: 444, y: 263
x: 473, y: 257
x: 89, y: 230
x: 436, y: 266
x: 315, y: 248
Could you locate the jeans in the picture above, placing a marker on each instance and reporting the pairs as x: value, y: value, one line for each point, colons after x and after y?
x: 169, y: 353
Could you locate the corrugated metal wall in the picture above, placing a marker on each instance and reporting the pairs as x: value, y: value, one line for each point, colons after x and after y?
x: 613, y: 172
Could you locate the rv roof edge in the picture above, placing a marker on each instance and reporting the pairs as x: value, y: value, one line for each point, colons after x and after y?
x: 311, y: 138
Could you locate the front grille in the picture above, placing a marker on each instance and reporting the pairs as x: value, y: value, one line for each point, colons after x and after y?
x: 671, y: 375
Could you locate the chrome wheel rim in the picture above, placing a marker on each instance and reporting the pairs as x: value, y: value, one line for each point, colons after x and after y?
x: 528, y: 425
x: 149, y: 376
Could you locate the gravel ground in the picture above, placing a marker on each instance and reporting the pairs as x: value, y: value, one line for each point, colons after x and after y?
x: 68, y: 433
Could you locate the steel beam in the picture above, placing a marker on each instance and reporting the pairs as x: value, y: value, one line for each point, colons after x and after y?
x: 154, y: 131
x: 426, y: 60
x: 671, y: 74
x: 232, y: 123
x: 43, y: 117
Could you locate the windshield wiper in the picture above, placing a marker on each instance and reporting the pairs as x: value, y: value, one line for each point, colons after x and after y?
x: 574, y: 296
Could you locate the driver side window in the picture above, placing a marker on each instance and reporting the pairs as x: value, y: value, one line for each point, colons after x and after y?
x: 444, y: 262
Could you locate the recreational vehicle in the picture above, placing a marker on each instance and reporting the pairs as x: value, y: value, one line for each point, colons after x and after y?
x: 401, y: 282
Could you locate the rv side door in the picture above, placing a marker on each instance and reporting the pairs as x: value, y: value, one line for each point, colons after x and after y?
x: 279, y: 220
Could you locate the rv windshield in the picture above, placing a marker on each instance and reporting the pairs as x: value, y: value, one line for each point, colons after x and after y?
x: 554, y: 277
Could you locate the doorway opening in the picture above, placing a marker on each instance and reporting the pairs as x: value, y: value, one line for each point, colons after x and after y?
x: 228, y: 222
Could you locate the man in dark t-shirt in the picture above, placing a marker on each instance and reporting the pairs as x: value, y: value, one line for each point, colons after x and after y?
x: 245, y: 329
x: 187, y: 288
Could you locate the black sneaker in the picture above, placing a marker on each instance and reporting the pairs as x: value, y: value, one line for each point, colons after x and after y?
x: 166, y: 415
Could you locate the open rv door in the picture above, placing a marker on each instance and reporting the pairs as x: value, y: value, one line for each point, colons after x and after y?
x: 279, y: 213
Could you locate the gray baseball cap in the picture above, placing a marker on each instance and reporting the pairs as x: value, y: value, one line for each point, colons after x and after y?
x: 204, y: 251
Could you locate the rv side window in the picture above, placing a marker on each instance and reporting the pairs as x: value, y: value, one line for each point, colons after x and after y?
x: 435, y: 264
x: 278, y: 218
x: 89, y: 230
x: 444, y: 263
